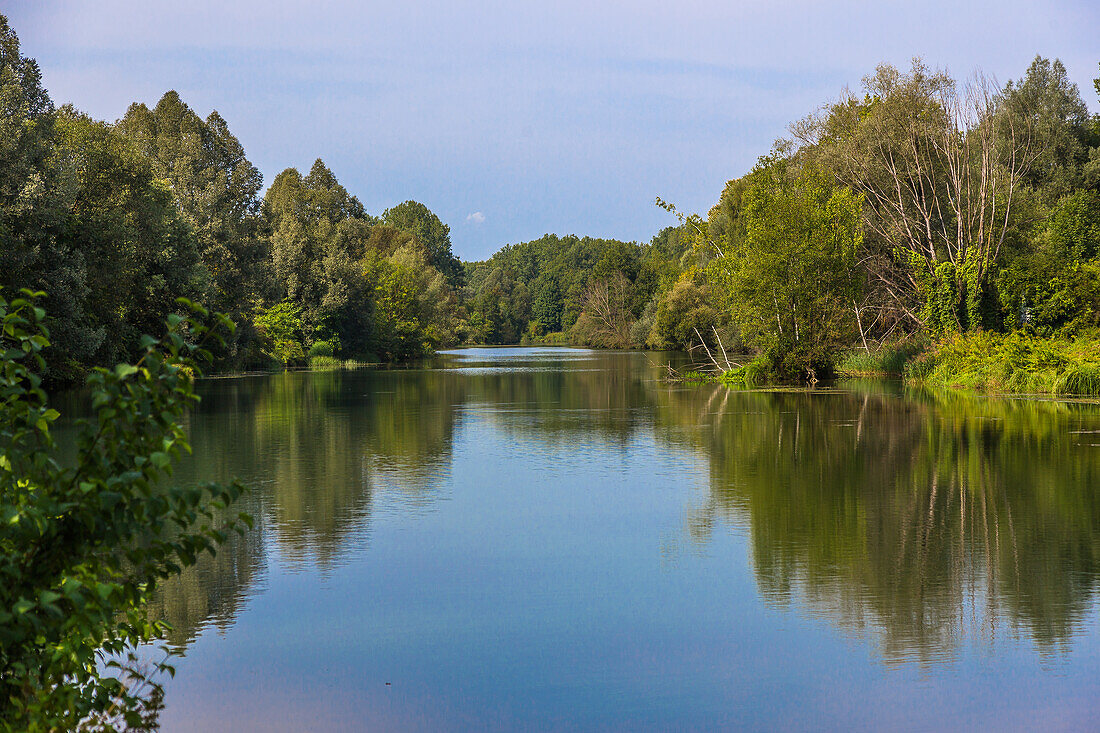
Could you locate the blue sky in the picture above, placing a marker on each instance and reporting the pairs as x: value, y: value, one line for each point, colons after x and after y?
x: 513, y: 119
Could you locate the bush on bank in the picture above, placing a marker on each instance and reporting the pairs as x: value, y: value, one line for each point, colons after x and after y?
x: 1016, y: 362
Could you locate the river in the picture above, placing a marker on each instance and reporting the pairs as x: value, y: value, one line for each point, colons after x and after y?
x: 544, y: 539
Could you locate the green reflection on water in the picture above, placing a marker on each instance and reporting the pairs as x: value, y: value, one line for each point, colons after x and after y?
x: 926, y: 521
x: 927, y: 518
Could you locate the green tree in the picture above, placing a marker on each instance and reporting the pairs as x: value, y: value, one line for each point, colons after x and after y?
x: 546, y: 303
x: 413, y: 308
x: 688, y: 312
x: 432, y: 234
x: 82, y: 547
x: 281, y: 332
x: 941, y: 173
x: 549, y: 279
x: 1049, y: 106
x: 792, y: 278
x: 34, y: 208
x: 139, y: 252
x: 1053, y: 286
x: 319, y: 235
x: 216, y: 188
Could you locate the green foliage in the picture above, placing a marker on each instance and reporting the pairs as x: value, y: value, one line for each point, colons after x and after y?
x: 885, y: 360
x: 281, y: 331
x: 1014, y: 362
x: 34, y: 206
x: 82, y: 547
x: 938, y: 291
x: 555, y: 338
x: 532, y: 334
x: 139, y: 252
x: 215, y: 187
x: 688, y: 311
x: 431, y: 234
x: 1053, y: 287
x: 325, y: 347
x: 413, y: 304
x: 370, y: 285
x: 551, y: 279
x: 1074, y: 227
x: 792, y: 277
x: 916, y: 145
x: 324, y: 363
x: 1047, y: 104
x: 319, y: 235
x: 753, y: 373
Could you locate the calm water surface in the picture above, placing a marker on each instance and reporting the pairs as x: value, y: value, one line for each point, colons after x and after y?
x: 556, y: 539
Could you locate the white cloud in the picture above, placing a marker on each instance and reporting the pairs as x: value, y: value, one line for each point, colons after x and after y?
x: 476, y: 218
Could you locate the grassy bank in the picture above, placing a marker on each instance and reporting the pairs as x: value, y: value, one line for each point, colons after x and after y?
x: 1011, y: 363
x: 322, y: 363
x: 888, y: 360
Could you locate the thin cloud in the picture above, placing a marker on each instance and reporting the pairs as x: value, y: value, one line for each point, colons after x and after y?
x: 476, y: 218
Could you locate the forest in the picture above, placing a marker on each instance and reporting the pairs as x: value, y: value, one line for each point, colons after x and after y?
x: 915, y: 224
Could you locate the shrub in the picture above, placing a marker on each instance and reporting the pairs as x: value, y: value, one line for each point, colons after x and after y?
x: 1016, y: 362
x: 557, y: 338
x: 82, y: 547
x: 280, y: 328
x: 752, y: 374
x: 324, y: 347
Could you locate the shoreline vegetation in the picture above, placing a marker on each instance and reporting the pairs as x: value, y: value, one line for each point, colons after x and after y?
x: 1015, y: 363
x: 942, y: 229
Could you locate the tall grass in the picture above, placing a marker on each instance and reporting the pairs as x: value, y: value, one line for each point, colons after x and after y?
x: 325, y: 363
x: 751, y: 374
x: 1015, y: 363
x: 886, y: 360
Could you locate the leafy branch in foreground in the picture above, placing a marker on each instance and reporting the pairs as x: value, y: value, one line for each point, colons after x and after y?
x: 83, y: 546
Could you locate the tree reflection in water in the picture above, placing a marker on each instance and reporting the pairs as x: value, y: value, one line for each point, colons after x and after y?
x: 924, y: 521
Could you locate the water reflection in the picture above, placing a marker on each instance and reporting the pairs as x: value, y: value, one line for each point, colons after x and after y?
x: 924, y: 522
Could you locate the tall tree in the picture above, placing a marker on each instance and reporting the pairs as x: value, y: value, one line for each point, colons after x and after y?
x: 432, y: 234
x: 34, y: 207
x: 139, y: 251
x: 792, y: 278
x: 319, y: 236
x: 940, y: 171
x: 1048, y: 104
x: 217, y: 189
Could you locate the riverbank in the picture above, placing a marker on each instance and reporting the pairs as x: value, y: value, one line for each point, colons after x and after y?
x: 1015, y: 363
x: 888, y: 360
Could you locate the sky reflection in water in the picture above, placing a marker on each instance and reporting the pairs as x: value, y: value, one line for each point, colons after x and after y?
x: 554, y: 538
